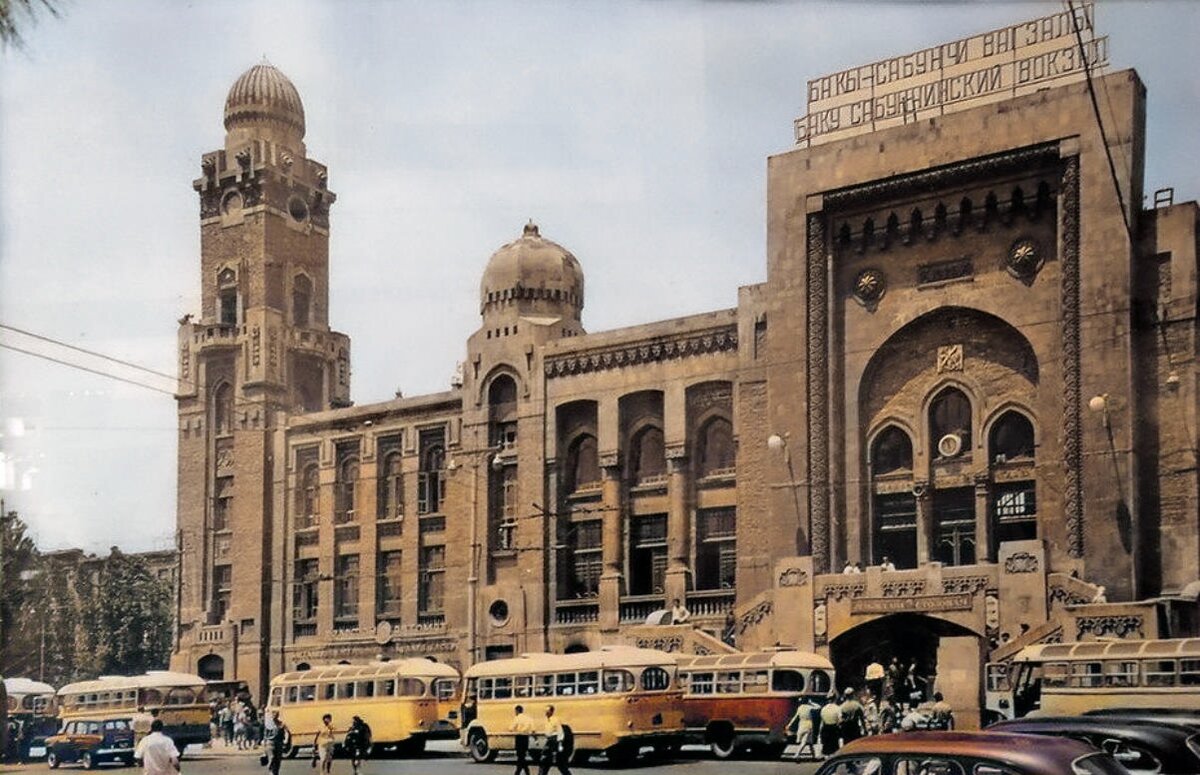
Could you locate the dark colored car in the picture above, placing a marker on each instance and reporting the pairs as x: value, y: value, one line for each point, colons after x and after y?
x: 1175, y: 717
x: 969, y: 753
x: 1142, y: 746
x: 91, y: 743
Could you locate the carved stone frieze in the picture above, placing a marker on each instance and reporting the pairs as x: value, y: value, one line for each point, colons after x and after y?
x: 755, y: 615
x: 652, y: 351
x: 905, y: 588
x: 1021, y: 562
x: 1128, y: 626
x: 843, y: 590
x: 950, y: 358
x: 671, y: 644
x: 818, y: 391
x: 971, y: 585
x: 1071, y: 387
x: 1060, y: 594
x: 793, y: 577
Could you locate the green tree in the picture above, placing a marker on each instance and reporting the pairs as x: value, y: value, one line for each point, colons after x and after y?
x: 126, y: 619
x: 18, y: 570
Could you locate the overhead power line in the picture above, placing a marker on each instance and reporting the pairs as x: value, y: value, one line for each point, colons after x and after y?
x: 85, y: 368
x: 85, y: 351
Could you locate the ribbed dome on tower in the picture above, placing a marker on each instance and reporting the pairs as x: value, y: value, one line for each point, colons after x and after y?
x: 536, y: 269
x: 264, y: 95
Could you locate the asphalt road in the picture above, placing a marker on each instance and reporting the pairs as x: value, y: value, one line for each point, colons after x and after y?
x: 447, y: 758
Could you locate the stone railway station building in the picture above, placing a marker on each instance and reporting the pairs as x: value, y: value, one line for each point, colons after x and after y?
x: 961, y: 360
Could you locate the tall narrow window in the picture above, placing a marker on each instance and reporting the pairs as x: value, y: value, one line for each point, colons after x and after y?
x: 308, y: 495
x: 347, y: 482
x: 345, y: 590
x: 431, y: 588
x: 1011, y: 438
x: 950, y: 424
x: 716, y: 549
x: 390, y: 499
x: 223, y: 409
x: 583, y: 560
x: 895, y: 513
x: 222, y: 503
x: 647, y: 554
x: 222, y: 592
x: 431, y: 484
x: 954, y: 526
x: 649, y: 459
x: 716, y: 452
x: 1013, y: 502
x: 301, y: 300
x: 227, y: 298
x: 502, y: 412
x: 305, y: 597
x: 583, y: 464
x: 388, y: 587
x: 891, y: 452
x: 502, y: 507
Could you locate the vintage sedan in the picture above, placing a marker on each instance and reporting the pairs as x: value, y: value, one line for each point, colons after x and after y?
x: 1175, y: 717
x: 1142, y: 746
x: 969, y: 753
x: 91, y: 743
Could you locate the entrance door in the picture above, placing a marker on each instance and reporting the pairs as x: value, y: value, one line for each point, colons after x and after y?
x: 954, y: 526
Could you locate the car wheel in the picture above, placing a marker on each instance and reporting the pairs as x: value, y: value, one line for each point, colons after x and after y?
x: 88, y: 760
x: 52, y: 760
x: 622, y: 754
x: 481, y: 752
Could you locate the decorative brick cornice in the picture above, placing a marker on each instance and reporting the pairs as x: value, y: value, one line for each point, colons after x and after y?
x: 653, y: 350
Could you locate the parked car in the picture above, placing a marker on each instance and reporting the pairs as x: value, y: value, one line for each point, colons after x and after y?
x: 1142, y: 746
x: 1176, y: 717
x: 91, y: 743
x: 969, y: 753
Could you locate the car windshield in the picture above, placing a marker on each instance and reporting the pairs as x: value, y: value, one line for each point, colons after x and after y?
x: 859, y: 765
x: 1098, y: 764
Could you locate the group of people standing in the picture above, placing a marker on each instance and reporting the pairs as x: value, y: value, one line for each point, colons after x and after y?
x: 558, y: 747
x: 236, y: 721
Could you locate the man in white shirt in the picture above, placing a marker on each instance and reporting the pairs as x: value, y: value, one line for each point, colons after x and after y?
x: 157, y: 752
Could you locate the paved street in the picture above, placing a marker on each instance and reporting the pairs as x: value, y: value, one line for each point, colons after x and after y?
x: 446, y: 758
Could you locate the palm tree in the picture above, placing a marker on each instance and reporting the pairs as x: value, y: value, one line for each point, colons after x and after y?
x: 14, y: 14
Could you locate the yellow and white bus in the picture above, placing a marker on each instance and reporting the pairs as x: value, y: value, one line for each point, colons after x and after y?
x: 403, y: 701
x: 732, y: 702
x: 615, y: 700
x: 34, y: 706
x: 178, y: 697
x: 1070, y: 678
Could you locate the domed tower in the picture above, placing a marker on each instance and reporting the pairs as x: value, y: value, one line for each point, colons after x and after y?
x: 534, y: 278
x: 260, y: 349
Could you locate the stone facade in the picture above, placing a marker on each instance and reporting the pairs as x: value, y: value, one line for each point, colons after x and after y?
x: 945, y: 300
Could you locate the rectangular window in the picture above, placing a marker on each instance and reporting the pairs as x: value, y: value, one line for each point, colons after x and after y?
x: 648, y: 555
x: 716, y: 549
x: 229, y: 306
x: 389, y: 498
x: 222, y: 503
x: 431, y: 590
x: 1014, y: 511
x: 1159, y: 672
x: 583, y: 560
x: 431, y: 483
x: 304, y: 603
x: 222, y: 592
x: 729, y: 682
x: 502, y: 507
x: 345, y: 590
x: 896, y: 529
x: 308, y: 489
x: 388, y: 586
x: 1189, y: 672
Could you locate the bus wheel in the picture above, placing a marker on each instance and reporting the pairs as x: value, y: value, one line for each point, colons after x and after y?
x: 579, y: 757
x: 481, y: 752
x: 88, y: 761
x: 621, y: 754
x: 723, y: 743
x: 52, y: 760
x: 291, y: 750
x: 414, y: 746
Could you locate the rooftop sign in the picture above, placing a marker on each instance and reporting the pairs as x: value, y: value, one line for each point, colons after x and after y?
x: 983, y: 68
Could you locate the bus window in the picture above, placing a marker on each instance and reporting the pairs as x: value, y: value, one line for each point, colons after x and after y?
x: 503, y: 689
x: 618, y: 681
x: 1120, y: 674
x: 1189, y: 672
x: 346, y: 690
x: 522, y: 685
x: 589, y: 682
x: 701, y: 683
x: 293, y: 695
x: 308, y: 693
x: 655, y: 679
x: 819, y: 682
x: 446, y: 688
x: 1160, y: 672
x: 997, y: 677
x: 1054, y: 674
x: 387, y: 688
x: 150, y: 697
x: 412, y: 687
x: 729, y: 682
x: 276, y: 696
x: 564, y: 684
x: 787, y: 681
x: 328, y: 691
x: 544, y: 686
x: 485, y: 688
x: 181, y: 696
x: 1086, y: 675
x: 754, y: 681
x: 366, y: 689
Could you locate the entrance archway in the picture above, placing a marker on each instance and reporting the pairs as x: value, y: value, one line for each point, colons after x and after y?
x: 211, y: 667
x: 948, y: 658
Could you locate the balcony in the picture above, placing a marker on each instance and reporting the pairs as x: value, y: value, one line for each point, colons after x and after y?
x: 430, y: 621
x: 577, y: 612
x: 710, y: 603
x: 634, y: 610
x: 213, y: 634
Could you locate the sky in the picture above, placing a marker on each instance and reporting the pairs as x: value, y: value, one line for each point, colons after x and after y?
x: 634, y: 133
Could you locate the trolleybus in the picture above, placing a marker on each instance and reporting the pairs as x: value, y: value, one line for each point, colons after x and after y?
x: 401, y: 700
x: 32, y: 705
x: 615, y: 700
x: 178, y: 697
x: 1070, y: 678
x: 734, y: 702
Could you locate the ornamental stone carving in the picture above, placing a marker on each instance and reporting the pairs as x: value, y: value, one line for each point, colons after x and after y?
x: 991, y: 614
x: 950, y: 358
x: 713, y: 341
x: 1060, y: 594
x: 1021, y: 562
x: 1110, y: 626
x: 793, y: 577
x: 670, y: 644
x: 1071, y: 348
x: 906, y: 588
x: 965, y: 585
x: 869, y: 287
x: 818, y: 392
x: 842, y: 591
x: 755, y: 615
x: 1024, y: 258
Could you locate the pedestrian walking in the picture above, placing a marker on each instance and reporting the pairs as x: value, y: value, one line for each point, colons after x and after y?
x: 852, y: 717
x: 358, y: 743
x: 324, y: 743
x: 522, y: 728
x: 157, y: 752
x: 831, y: 726
x: 278, y: 741
x: 226, y: 716
x: 556, y: 752
x: 805, y: 721
x: 941, y: 714
x: 871, y: 721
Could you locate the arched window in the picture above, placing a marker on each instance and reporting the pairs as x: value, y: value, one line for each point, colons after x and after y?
x: 583, y: 463
x: 431, y: 487
x: 391, y: 488
x: 950, y: 415
x: 891, y: 451
x: 308, y: 503
x: 223, y: 409
x: 347, y: 480
x: 649, y: 458
x: 1011, y: 438
x: 227, y: 297
x: 301, y: 300
x: 716, y: 451
x: 502, y: 411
